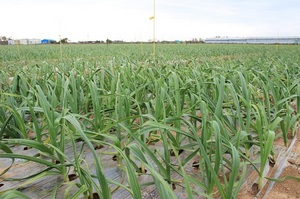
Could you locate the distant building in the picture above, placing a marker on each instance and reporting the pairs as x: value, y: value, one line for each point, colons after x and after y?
x: 254, y: 40
x: 33, y: 41
x: 26, y: 41
x: 20, y: 41
x: 10, y: 42
x: 48, y: 41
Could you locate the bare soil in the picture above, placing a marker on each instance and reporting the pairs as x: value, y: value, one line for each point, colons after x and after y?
x: 287, y: 158
x: 288, y: 188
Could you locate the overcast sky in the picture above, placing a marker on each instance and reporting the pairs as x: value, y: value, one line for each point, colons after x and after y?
x: 129, y: 19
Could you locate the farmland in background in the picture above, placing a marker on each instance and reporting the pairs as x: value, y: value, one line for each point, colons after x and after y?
x: 192, y: 122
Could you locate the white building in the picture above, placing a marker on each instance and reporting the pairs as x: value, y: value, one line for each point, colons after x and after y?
x: 253, y: 40
x: 27, y: 41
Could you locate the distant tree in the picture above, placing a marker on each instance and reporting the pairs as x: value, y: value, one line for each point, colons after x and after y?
x: 108, y: 41
x: 64, y: 41
x: 3, y: 40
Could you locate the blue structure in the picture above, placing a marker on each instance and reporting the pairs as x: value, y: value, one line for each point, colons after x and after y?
x: 48, y: 41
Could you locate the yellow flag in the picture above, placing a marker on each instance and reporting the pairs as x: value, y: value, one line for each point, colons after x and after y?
x: 151, y: 18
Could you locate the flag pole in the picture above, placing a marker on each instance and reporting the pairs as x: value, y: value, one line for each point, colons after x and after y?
x: 60, y: 44
x: 154, y: 29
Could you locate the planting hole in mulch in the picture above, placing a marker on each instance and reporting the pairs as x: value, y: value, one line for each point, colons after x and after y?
x: 72, y: 177
x: 57, y: 162
x: 96, y: 196
x: 79, y: 140
x: 98, y: 147
x: 1, y: 185
x: 25, y: 148
x: 140, y: 170
x: 112, y: 130
x: 255, y: 189
x: 195, y: 164
x: 172, y: 153
x: 37, y: 155
x: 173, y: 186
x: 115, y: 158
x: 271, y: 162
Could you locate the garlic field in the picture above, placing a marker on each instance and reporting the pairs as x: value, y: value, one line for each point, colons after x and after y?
x: 190, y: 123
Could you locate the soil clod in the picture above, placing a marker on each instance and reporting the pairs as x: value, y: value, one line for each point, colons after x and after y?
x: 291, y: 161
